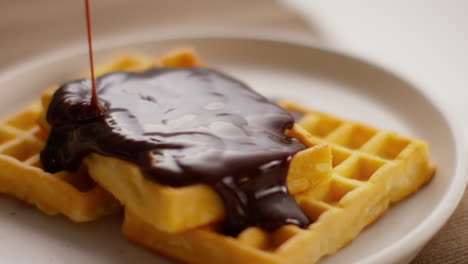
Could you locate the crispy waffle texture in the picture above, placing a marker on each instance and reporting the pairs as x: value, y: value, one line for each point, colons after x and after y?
x: 73, y: 194
x: 369, y: 169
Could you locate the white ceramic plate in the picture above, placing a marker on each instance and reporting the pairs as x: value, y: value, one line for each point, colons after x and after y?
x: 321, y: 79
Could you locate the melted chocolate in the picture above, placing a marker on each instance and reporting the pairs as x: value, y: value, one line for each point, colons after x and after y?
x: 183, y: 126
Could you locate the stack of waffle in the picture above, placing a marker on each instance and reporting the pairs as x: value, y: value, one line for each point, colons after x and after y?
x: 346, y: 178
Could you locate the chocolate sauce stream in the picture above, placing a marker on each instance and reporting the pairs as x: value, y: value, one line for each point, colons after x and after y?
x: 94, y: 99
x: 184, y: 126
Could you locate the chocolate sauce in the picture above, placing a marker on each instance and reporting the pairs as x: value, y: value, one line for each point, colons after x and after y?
x: 183, y: 126
x: 94, y: 99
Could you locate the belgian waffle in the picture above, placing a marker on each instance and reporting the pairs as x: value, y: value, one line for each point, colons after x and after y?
x: 22, y: 137
x: 347, y: 177
x: 369, y: 170
x: 73, y: 194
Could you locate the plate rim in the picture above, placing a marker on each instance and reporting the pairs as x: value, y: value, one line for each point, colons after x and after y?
x: 407, y: 245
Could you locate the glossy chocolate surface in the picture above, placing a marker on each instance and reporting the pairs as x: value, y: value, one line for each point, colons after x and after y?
x: 183, y: 126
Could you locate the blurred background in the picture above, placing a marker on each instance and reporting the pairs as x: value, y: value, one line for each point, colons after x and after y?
x: 424, y: 41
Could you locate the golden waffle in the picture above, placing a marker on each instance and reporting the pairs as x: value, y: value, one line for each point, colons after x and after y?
x: 73, y: 194
x: 370, y: 169
x: 361, y: 152
x: 21, y: 174
x: 347, y: 177
x: 168, y: 208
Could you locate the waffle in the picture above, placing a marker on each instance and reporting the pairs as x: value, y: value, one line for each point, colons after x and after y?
x: 71, y: 194
x: 22, y: 137
x: 346, y: 178
x: 369, y: 170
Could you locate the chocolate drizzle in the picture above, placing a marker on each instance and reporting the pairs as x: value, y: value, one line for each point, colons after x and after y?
x: 183, y: 126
